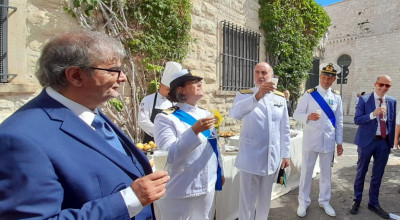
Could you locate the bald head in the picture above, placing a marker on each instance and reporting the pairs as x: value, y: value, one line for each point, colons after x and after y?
x: 382, y: 85
x: 263, y: 72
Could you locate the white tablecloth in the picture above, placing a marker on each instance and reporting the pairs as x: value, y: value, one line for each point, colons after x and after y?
x: 227, y: 200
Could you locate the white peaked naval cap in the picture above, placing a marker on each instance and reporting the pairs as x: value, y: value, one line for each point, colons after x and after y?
x: 171, y: 67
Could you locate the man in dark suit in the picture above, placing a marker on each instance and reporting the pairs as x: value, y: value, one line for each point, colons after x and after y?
x: 376, y: 118
x: 289, y: 103
x: 54, y: 163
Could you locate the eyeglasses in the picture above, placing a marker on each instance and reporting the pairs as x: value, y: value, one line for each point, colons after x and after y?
x: 109, y: 70
x: 383, y: 84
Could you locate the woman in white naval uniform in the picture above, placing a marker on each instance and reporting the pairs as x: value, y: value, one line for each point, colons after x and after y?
x: 192, y: 163
x: 319, y: 139
x: 264, y: 142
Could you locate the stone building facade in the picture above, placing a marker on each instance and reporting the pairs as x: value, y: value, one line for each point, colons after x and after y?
x: 36, y: 21
x: 369, y: 32
x: 29, y: 27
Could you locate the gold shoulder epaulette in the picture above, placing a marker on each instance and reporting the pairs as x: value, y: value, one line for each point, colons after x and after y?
x: 336, y: 92
x: 311, y: 90
x: 246, y: 91
x: 170, y: 110
x: 279, y: 93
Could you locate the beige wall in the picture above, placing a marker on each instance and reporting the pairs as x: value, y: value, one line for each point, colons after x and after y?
x: 31, y: 25
x: 207, y: 16
x: 368, y: 31
x: 36, y: 21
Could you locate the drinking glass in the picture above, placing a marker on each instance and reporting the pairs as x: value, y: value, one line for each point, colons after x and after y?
x: 275, y: 80
x: 383, y: 105
x: 160, y: 163
x: 160, y: 159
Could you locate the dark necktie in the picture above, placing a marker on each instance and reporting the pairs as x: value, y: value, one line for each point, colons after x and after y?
x: 107, y: 133
x: 382, y: 123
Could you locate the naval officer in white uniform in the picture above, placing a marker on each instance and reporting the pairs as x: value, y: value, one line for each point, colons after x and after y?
x: 319, y: 137
x: 264, y: 142
x: 155, y: 103
x: 194, y: 161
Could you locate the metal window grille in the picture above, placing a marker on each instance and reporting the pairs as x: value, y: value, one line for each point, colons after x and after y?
x: 240, y: 54
x: 3, y: 40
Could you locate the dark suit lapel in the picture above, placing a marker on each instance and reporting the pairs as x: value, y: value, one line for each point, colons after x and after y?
x: 75, y: 127
x: 371, y: 107
x: 390, y: 112
x: 371, y: 103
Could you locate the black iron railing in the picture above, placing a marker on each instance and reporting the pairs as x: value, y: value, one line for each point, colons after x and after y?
x: 240, y: 54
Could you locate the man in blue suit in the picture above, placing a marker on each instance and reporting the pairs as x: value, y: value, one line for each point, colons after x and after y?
x: 54, y: 164
x: 376, y: 118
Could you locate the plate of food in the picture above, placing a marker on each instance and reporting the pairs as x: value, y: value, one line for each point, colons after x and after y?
x: 226, y: 133
x: 146, y: 147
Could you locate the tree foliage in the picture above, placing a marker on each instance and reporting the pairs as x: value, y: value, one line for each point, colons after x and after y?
x: 152, y: 32
x: 293, y: 29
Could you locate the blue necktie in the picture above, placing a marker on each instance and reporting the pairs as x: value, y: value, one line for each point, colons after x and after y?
x: 107, y: 133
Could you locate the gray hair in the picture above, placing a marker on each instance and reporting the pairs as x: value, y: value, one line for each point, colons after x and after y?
x: 82, y: 49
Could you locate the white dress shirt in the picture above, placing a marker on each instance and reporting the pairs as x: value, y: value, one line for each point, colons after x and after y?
x: 371, y: 115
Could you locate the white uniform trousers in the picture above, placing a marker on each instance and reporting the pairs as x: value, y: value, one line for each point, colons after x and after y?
x: 307, y: 168
x: 255, y: 195
x: 192, y: 208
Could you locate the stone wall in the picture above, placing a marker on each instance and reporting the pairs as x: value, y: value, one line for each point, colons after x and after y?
x: 207, y: 16
x: 36, y: 21
x: 368, y: 31
x: 29, y: 27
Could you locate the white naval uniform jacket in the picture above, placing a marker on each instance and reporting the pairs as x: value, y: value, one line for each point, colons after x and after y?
x: 320, y: 136
x: 146, y: 108
x: 192, y: 163
x: 265, y: 133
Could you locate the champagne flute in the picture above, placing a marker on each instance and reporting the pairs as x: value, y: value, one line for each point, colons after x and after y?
x: 160, y: 163
x: 213, y: 130
x: 383, y: 106
x: 160, y: 159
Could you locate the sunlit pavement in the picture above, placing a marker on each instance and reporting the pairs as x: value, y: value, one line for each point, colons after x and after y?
x: 343, y: 175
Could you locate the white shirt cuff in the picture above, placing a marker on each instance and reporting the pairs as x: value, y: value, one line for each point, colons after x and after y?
x: 371, y: 115
x: 131, y: 201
